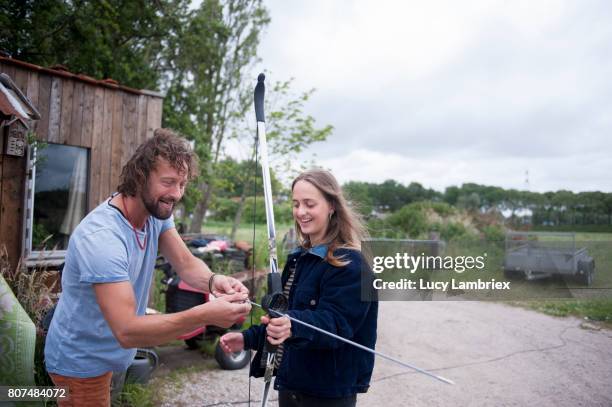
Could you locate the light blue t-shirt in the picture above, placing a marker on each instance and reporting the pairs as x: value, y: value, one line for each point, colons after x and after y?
x: 102, y: 249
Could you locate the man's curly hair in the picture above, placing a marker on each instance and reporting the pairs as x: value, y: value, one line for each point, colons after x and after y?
x: 165, y: 144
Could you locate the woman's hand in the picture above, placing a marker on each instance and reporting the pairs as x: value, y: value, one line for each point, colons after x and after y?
x: 232, y: 342
x: 278, y: 330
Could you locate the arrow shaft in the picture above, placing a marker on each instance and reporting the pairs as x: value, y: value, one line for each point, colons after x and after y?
x: 365, y: 348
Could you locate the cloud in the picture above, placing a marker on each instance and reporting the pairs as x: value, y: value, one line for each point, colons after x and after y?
x: 448, y: 92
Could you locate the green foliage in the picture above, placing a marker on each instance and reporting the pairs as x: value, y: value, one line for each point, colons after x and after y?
x: 560, y: 210
x: 289, y: 130
x: 136, y: 395
x: 388, y: 196
x: 158, y: 298
x: 574, y: 228
x: 413, y: 221
x: 358, y: 194
x: 441, y: 208
x: 115, y: 39
x: 597, y: 310
x: 283, y: 212
x: 208, y: 59
x: 494, y: 233
x: 409, y: 219
x: 453, y: 230
x: 224, y: 209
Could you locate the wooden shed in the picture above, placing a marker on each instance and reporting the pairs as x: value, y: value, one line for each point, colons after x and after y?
x: 87, y: 130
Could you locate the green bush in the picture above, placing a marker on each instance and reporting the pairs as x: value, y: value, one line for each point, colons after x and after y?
x: 409, y: 219
x: 224, y: 209
x: 441, y: 208
x: 453, y: 230
x: 283, y: 212
x: 494, y: 233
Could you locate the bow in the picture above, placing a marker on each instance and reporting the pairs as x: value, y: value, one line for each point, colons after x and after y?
x: 274, y: 298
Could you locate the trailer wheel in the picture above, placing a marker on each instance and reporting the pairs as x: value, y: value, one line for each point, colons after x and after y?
x: 586, y: 269
x: 232, y: 361
x: 512, y: 274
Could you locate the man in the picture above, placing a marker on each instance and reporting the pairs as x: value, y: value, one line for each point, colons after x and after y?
x: 99, y: 320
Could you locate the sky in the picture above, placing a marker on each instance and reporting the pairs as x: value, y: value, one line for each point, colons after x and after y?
x: 509, y: 93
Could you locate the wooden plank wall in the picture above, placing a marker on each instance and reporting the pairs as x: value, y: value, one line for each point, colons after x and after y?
x: 110, y: 122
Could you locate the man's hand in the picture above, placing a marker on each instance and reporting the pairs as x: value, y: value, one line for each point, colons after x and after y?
x: 224, y: 285
x: 225, y: 311
x: 278, y: 330
x: 232, y: 342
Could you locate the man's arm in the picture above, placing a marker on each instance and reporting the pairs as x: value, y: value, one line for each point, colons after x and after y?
x: 118, y: 306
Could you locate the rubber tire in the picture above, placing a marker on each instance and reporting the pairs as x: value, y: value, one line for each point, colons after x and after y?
x: 232, y: 361
x: 589, y: 269
x: 513, y: 274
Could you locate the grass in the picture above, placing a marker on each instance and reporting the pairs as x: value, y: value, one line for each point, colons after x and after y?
x: 136, y: 395
x: 594, y: 310
x: 140, y: 395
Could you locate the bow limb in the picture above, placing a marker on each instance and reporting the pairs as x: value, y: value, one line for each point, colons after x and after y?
x: 274, y: 280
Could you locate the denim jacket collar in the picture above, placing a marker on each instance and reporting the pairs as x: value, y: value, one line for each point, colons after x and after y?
x: 319, y: 250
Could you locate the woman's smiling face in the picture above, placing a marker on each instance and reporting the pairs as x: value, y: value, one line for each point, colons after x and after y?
x: 311, y: 211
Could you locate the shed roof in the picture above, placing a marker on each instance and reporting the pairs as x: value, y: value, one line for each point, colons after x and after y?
x: 13, y: 102
x: 63, y: 72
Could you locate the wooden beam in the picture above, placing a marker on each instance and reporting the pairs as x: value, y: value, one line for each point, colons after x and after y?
x: 88, y: 115
x: 44, y: 99
x: 76, y: 123
x: 116, y: 142
x: 96, y: 151
x: 55, y: 110
x: 66, y: 109
x: 129, y: 131
x: 105, y: 145
x: 142, y: 119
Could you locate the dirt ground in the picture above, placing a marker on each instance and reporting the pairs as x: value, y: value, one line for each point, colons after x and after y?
x: 497, y: 355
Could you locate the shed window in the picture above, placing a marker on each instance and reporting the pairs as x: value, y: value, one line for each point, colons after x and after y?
x: 59, y: 195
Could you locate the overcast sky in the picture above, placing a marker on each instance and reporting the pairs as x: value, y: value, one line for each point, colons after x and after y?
x: 447, y: 92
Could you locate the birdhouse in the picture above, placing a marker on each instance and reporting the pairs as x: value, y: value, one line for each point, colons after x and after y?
x: 16, y: 139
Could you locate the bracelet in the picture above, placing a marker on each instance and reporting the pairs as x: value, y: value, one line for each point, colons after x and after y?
x: 210, y: 280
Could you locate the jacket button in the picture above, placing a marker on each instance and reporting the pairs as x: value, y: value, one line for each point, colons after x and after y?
x: 313, y: 302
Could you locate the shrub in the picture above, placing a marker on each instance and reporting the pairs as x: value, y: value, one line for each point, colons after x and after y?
x: 494, y: 233
x: 410, y: 219
x: 452, y: 230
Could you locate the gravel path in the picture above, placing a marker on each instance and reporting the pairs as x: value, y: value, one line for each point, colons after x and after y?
x: 496, y: 354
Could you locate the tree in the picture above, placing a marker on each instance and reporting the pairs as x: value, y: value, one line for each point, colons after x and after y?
x: 359, y: 195
x: 116, y: 39
x: 288, y: 129
x: 209, y: 59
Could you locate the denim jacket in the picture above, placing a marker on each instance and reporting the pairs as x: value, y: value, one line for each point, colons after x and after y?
x: 328, y: 297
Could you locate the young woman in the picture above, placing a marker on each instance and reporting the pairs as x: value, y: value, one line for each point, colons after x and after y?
x: 322, y: 280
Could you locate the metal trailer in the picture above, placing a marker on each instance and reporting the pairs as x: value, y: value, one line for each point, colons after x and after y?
x: 536, y: 255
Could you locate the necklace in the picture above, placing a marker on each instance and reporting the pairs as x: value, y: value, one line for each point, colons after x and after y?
x: 127, y: 215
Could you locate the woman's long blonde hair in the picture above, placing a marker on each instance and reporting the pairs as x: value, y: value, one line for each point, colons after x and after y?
x: 345, y: 228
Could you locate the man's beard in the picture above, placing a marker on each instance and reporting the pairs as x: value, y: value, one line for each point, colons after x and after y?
x: 156, y: 207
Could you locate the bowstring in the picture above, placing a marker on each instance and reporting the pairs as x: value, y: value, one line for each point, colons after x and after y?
x: 254, y: 177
